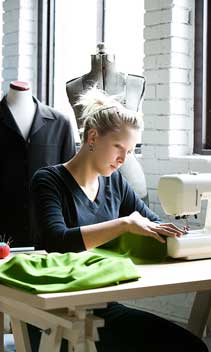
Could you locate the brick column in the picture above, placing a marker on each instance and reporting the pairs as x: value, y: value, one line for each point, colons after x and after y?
x: 168, y: 115
x: 19, y: 42
x: 168, y: 103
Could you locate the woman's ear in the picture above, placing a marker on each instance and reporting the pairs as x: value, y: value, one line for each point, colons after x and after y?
x: 92, y: 136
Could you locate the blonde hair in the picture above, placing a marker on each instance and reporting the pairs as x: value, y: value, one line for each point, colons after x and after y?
x: 105, y: 113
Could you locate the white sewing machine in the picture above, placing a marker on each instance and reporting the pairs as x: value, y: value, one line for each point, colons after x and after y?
x: 180, y: 195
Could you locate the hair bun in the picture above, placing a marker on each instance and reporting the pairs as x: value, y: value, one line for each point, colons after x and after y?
x: 105, y: 113
x: 94, y: 99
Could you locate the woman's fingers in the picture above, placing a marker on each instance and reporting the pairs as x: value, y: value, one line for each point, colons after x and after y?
x: 157, y: 232
x: 168, y: 233
x: 148, y: 228
x: 173, y: 228
x: 164, y: 231
x: 169, y: 224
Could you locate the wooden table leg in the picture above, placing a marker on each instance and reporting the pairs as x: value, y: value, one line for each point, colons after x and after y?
x: 200, y: 312
x: 78, y: 326
x: 1, y: 332
x: 21, y: 336
x: 51, y: 340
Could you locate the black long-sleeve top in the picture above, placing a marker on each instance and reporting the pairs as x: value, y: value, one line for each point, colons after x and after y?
x: 61, y: 207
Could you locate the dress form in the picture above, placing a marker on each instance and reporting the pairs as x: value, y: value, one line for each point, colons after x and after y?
x: 21, y: 105
x: 29, y: 140
x: 129, y: 90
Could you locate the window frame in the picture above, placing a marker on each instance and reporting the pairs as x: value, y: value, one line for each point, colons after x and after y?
x: 202, y: 84
x: 45, y: 59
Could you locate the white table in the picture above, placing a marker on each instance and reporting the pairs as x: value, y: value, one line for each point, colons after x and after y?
x: 65, y: 314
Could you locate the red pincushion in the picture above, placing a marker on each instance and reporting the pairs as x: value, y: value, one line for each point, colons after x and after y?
x: 4, y: 250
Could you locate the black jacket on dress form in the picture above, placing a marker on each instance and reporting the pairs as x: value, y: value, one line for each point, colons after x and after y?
x: 50, y: 141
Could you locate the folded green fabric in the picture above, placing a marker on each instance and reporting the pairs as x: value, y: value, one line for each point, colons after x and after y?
x: 140, y: 249
x: 55, y: 272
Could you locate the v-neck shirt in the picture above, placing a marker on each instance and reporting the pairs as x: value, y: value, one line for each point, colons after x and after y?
x: 79, y: 192
x: 61, y: 207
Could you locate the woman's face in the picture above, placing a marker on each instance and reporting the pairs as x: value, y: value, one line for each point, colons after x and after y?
x: 111, y: 150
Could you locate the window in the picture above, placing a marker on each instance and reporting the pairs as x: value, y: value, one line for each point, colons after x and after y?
x: 124, y: 23
x: 79, y: 26
x: 202, y: 86
x: 75, y: 40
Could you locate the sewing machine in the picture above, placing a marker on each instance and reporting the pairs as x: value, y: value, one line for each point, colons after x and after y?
x: 181, y: 195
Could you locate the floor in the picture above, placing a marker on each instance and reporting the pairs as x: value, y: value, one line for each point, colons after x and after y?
x: 9, y: 343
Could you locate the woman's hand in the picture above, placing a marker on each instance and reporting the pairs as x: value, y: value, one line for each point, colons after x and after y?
x: 143, y: 226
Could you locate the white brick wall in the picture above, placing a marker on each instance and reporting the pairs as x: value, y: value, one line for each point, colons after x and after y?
x: 19, y: 42
x: 165, y: 4
x: 168, y: 116
x: 168, y: 103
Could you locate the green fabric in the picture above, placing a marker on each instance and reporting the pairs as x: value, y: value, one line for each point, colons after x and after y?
x: 55, y: 272
x: 140, y: 249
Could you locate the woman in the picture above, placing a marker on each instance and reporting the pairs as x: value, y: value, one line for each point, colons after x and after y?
x: 86, y: 203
